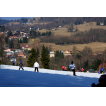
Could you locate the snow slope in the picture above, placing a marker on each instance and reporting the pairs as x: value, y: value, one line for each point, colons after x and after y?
x: 10, y: 76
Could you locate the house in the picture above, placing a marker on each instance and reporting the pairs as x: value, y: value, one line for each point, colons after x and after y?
x: 97, y: 53
x: 26, y: 33
x: 20, y: 54
x: 7, y: 49
x: 53, y: 28
x: 67, y: 52
x: 102, y: 24
x: 28, y: 23
x: 36, y: 28
x: 22, y: 33
x: 31, y: 28
x: 26, y: 47
x: 17, y: 50
x: 13, y: 37
x: 51, y: 54
x: 18, y: 32
x: 9, y: 54
x: 102, y: 66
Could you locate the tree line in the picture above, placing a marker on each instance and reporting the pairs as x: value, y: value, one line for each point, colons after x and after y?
x: 82, y: 59
x: 98, y: 22
x: 35, y: 33
x: 92, y: 35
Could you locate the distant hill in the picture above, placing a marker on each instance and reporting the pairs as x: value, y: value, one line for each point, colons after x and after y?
x: 50, y: 22
x: 3, y: 21
x: 68, y: 20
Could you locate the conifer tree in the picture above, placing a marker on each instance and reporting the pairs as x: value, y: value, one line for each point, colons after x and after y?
x: 32, y: 58
x: 45, y: 59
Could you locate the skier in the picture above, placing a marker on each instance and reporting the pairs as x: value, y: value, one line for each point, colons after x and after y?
x: 101, y: 71
x: 21, y: 65
x: 72, y: 67
x: 63, y: 68
x: 82, y: 69
x: 36, y: 65
x: 13, y: 62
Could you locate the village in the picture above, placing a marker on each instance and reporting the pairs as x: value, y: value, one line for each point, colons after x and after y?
x: 20, y: 53
x: 14, y: 54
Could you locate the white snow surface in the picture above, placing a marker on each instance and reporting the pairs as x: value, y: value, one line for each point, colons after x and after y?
x: 11, y: 76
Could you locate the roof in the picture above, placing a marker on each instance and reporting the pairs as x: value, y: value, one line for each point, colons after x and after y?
x: 24, y: 44
x: 16, y: 34
x: 20, y: 53
x: 9, y: 55
x: 13, y: 36
x: 104, y: 64
x: 69, y: 50
x: 6, y: 48
x: 51, y: 52
x: 27, y: 47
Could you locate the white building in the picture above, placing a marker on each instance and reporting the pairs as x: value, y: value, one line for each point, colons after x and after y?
x: 52, y: 54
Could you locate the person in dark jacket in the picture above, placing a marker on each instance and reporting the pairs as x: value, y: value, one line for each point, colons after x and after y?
x: 72, y: 67
x: 21, y: 65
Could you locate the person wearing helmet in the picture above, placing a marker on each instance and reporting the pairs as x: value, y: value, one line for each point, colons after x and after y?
x: 21, y: 65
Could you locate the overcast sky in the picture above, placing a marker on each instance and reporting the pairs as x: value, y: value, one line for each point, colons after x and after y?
x: 13, y: 18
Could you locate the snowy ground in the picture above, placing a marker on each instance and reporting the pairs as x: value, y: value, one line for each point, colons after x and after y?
x: 10, y: 76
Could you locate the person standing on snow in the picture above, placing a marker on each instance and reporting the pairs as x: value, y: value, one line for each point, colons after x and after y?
x: 13, y: 62
x: 72, y: 67
x: 63, y: 68
x: 21, y: 65
x: 36, y: 65
x: 101, y: 70
x: 82, y: 69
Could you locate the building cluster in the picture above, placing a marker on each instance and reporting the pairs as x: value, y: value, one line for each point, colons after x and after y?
x: 19, y: 35
x: 65, y: 53
x: 19, y: 52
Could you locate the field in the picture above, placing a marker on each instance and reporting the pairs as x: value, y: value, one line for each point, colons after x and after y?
x: 82, y: 27
x: 88, y: 26
x: 95, y: 46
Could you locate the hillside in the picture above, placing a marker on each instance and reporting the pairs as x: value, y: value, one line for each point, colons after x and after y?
x: 10, y: 76
x: 95, y: 46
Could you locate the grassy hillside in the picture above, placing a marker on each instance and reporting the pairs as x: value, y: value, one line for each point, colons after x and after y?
x: 95, y: 46
x: 88, y: 26
x: 63, y: 31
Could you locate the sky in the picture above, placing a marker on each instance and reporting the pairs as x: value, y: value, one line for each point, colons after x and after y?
x: 45, y: 78
x: 13, y: 18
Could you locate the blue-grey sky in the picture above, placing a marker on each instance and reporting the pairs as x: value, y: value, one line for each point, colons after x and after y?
x: 13, y: 18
